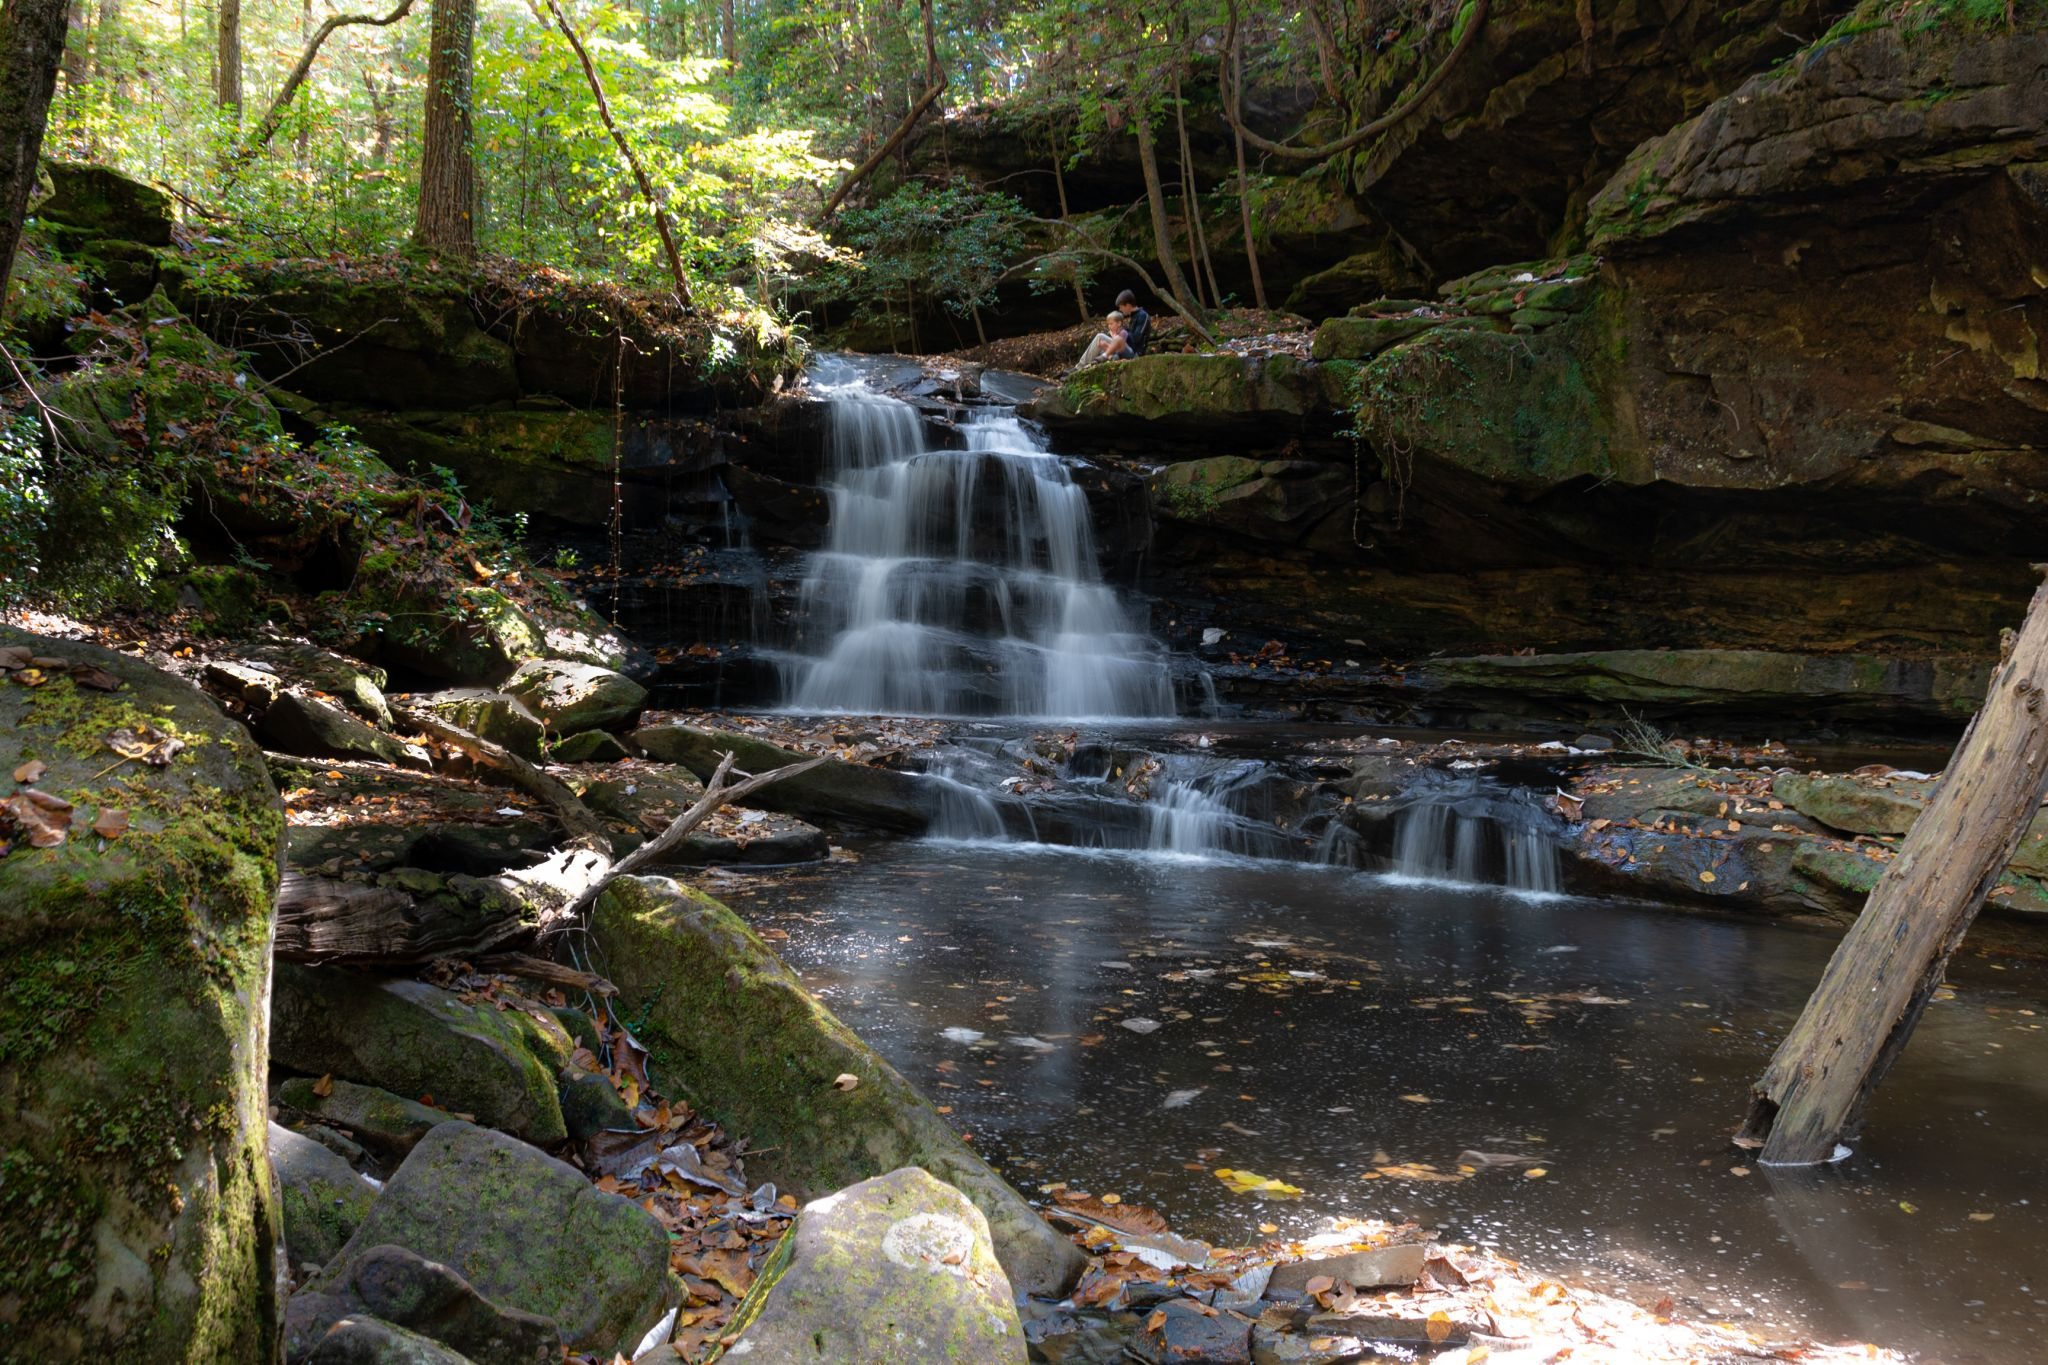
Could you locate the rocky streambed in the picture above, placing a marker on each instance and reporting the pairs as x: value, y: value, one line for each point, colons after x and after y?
x: 495, y: 1142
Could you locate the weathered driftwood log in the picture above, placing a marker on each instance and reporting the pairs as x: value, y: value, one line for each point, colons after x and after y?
x: 1886, y: 969
x: 583, y: 828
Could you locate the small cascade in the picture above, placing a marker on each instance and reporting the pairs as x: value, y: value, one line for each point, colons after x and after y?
x: 1477, y: 833
x: 961, y: 582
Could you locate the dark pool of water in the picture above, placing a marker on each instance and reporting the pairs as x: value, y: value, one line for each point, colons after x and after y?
x: 1306, y: 1014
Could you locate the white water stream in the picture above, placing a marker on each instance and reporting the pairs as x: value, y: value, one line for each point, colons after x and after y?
x: 961, y: 582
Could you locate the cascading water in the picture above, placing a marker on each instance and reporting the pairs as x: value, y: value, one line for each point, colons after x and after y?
x: 1477, y: 834
x: 961, y: 582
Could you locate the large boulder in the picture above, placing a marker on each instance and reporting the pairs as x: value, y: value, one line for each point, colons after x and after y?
x: 528, y: 1232
x: 1172, y: 401
x: 730, y: 1025
x: 137, y: 1217
x: 836, y: 793
x: 571, y: 697
x: 323, y: 1198
x: 312, y: 728
x: 418, y: 1040
x: 897, y: 1268
x: 103, y: 203
x: 499, y: 717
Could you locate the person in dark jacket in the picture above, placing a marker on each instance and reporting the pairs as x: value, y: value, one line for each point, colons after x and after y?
x: 1137, y: 322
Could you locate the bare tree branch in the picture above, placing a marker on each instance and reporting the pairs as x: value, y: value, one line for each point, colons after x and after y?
x: 1356, y: 136
x: 585, y: 830
x: 274, y: 116
x: 604, y: 112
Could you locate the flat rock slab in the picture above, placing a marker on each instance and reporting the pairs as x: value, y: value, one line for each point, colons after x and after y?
x: 889, y: 1271
x: 1377, y: 1268
x: 499, y: 717
x: 528, y: 1232
x: 414, y: 1039
x: 313, y: 728
x: 390, y: 1125
x: 1189, y: 1334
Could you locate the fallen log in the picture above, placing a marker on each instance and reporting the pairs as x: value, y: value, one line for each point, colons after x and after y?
x: 583, y: 828
x: 1886, y: 969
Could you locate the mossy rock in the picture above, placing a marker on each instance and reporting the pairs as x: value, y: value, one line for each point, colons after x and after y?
x: 418, y: 1040
x: 104, y: 203
x: 1852, y: 804
x: 137, y: 1219
x: 1356, y: 338
x: 527, y: 1231
x: 228, y: 596
x: 390, y: 1125
x: 499, y: 717
x: 323, y: 1198
x: 733, y: 1030
x: 572, y: 697
x: 894, y: 1269
x: 312, y: 728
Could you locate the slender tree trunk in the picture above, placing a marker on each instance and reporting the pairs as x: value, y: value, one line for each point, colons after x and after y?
x: 1244, y: 194
x: 1191, y: 200
x: 31, y: 51
x: 1886, y: 969
x: 729, y: 30
x: 77, y: 45
x: 447, y: 206
x: 228, y: 57
x: 103, y: 35
x: 1162, y: 227
x: 1059, y: 181
x: 647, y: 194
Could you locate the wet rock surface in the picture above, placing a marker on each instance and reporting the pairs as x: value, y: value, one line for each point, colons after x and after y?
x: 322, y: 1196
x: 401, y: 1289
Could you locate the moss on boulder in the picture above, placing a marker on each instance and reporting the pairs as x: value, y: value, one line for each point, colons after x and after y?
x: 418, y: 1040
x: 137, y: 1219
x: 526, y: 1231
x: 322, y: 1197
x: 836, y: 793
x: 894, y: 1269
x: 732, y: 1028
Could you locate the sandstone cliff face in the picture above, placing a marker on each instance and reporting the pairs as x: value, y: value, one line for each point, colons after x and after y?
x: 1794, y: 400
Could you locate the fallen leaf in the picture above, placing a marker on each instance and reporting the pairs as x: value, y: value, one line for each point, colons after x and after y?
x: 1418, y: 1099
x: 111, y: 824
x: 1535, y: 1173
x: 845, y: 1080
x: 31, y: 771
x: 1982, y: 1217
x: 47, y: 827
x: 324, y: 1086
x: 1438, y: 1326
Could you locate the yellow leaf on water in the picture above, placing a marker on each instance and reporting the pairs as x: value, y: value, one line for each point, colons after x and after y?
x: 1905, y: 1207
x: 1706, y: 876
x: 1982, y: 1217
x: 1418, y: 1099
x: 1535, y: 1173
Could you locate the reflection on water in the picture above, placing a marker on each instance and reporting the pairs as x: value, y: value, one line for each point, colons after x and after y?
x: 1331, y: 1023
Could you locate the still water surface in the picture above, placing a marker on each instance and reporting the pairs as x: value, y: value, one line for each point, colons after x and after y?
x: 1315, y: 1023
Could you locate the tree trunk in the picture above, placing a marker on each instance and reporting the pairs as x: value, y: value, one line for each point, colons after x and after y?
x: 447, y: 208
x: 77, y: 45
x: 1059, y: 180
x: 31, y: 50
x: 1885, y: 970
x: 1244, y: 195
x: 228, y: 57
x: 103, y: 34
x: 1162, y: 227
x: 729, y: 30
x: 1191, y: 205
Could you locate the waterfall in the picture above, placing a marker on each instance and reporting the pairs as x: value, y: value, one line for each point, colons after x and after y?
x: 1477, y: 834
x: 961, y: 582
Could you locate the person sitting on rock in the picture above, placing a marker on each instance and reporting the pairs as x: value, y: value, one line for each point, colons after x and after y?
x: 1112, y: 343
x: 1137, y: 322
